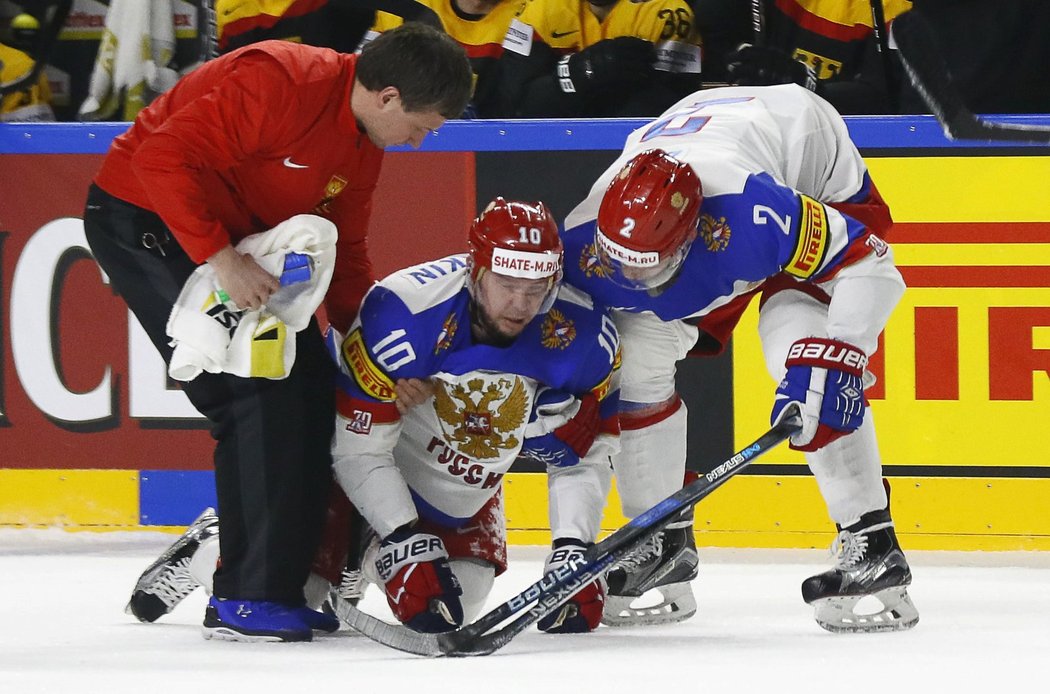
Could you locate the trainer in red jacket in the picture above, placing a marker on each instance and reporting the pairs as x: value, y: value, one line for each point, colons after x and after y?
x: 239, y: 145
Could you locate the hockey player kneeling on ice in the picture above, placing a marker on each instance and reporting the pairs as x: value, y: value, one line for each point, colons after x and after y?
x: 518, y: 365
x: 530, y: 374
x: 766, y: 194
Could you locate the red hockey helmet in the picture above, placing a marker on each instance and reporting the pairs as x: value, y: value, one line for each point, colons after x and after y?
x: 647, y: 219
x: 517, y: 239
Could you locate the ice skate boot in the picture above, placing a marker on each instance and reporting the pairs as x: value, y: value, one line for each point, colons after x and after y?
x: 666, y: 565
x: 167, y: 581
x: 352, y: 586
x: 870, y: 564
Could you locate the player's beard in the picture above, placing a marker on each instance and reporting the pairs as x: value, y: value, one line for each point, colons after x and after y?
x: 485, y: 329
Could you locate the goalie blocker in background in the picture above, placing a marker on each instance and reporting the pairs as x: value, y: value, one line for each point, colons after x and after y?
x: 766, y: 195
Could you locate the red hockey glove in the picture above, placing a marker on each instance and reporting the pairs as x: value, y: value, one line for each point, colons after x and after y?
x: 583, y: 612
x: 562, y: 428
x: 420, y: 587
x: 825, y: 378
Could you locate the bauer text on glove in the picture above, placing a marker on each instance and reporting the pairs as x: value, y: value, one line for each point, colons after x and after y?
x: 583, y: 612
x: 420, y: 587
x: 825, y: 378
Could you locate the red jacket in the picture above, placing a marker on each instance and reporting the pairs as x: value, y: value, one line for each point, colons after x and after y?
x: 247, y: 141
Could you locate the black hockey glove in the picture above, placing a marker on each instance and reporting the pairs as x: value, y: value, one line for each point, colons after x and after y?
x: 623, y: 62
x: 756, y: 66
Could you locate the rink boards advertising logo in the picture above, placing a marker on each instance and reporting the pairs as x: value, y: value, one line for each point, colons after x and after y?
x: 369, y: 377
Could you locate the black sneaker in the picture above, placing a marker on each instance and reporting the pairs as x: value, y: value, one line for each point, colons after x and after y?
x: 167, y: 581
x: 869, y: 563
x: 667, y: 564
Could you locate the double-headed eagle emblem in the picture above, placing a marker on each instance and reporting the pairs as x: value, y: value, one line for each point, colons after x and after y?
x: 480, y: 419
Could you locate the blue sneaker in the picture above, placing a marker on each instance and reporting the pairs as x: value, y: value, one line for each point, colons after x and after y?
x: 254, y: 620
x: 319, y: 621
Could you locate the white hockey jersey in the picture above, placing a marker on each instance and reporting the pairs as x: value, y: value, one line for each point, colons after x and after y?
x: 778, y: 170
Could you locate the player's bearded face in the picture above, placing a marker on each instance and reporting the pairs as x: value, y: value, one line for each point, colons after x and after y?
x: 503, y: 306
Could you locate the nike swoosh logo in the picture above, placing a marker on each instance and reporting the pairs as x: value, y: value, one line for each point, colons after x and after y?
x: 292, y: 165
x: 559, y: 34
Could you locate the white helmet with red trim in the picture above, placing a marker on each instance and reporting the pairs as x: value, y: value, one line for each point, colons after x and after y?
x: 647, y: 220
x: 516, y: 239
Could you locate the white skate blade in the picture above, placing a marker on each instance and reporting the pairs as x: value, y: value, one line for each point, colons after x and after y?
x: 677, y: 605
x: 838, y: 614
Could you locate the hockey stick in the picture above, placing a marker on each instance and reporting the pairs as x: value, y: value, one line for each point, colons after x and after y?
x: 882, y: 45
x: 917, y: 46
x: 558, y: 586
x: 758, y: 23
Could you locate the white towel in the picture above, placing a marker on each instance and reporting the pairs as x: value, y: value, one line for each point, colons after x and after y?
x: 132, y: 62
x: 211, y: 336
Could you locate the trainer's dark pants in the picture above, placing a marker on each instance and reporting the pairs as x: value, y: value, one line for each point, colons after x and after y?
x: 272, y: 456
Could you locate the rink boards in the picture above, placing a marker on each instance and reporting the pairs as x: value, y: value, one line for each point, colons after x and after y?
x: 92, y: 437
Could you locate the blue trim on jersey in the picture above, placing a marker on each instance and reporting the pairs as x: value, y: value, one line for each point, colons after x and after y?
x: 433, y: 515
x: 394, y: 336
x: 862, y: 194
x: 758, y: 231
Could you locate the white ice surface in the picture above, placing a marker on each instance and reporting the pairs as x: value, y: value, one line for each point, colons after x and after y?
x: 984, y: 628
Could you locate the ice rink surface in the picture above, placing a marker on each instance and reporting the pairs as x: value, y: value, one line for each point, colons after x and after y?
x: 985, y: 627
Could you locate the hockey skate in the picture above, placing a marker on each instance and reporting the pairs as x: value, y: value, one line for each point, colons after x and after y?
x: 352, y: 586
x: 167, y: 581
x: 666, y: 565
x: 870, y: 564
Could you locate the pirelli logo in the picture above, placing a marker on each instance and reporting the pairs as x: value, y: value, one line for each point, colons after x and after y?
x: 369, y: 377
x: 602, y: 389
x: 812, y: 240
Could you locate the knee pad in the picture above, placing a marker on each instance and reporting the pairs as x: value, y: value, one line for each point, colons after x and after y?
x: 849, y: 474
x: 651, y: 462
x: 475, y: 578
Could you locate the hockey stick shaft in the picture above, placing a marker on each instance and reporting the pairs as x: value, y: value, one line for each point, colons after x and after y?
x: 603, y: 556
x: 882, y: 44
x: 917, y: 47
x: 557, y: 587
x: 758, y: 22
